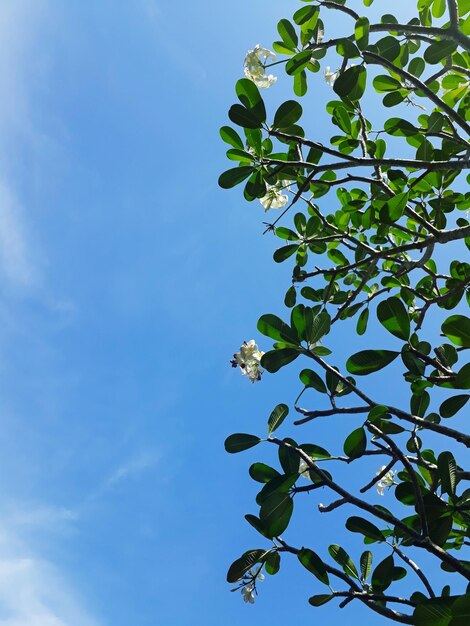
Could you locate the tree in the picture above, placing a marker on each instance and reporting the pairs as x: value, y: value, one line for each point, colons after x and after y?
x: 379, y: 225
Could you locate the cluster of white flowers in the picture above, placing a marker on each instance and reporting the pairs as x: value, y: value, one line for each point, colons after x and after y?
x: 386, y: 481
x: 249, y: 359
x: 255, y: 67
x: 274, y: 198
x: 248, y: 591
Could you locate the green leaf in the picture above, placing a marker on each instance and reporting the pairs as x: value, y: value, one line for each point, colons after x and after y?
x: 447, y: 468
x: 287, y: 114
x: 361, y: 32
x: 312, y: 379
x: 287, y: 33
x: 396, y: 206
x: 383, y: 83
x: 342, y: 558
x: 272, y: 563
x: 463, y: 378
x: 230, y: 136
x: 393, y: 315
x: 457, y: 329
x: 235, y: 176
x: 300, y: 83
x: 439, y: 50
x: 461, y: 611
x: 250, y: 96
x: 282, y: 254
x: 451, y: 406
x: 262, y: 473
x: 382, y: 576
x: 433, y: 612
x: 366, y: 564
x: 320, y: 599
x: 351, y: 83
x: 239, y: 442
x: 277, y: 416
x: 275, y: 359
x: 298, y: 62
x: 256, y: 523
x: 320, y: 326
x: 362, y: 322
x: 291, y: 297
x: 369, y: 361
x: 364, y: 527
x: 273, y: 327
x: 243, y: 564
x: 356, y: 443
x: 243, y: 117
x: 275, y: 513
x: 311, y: 561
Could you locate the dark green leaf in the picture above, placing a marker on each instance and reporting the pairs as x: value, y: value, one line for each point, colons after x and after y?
x: 275, y: 359
x: 351, y: 83
x: 382, y: 576
x: 457, y: 329
x: 287, y: 114
x: 281, y: 254
x: 366, y: 564
x: 233, y: 177
x: 393, y: 315
x: 272, y: 563
x: 239, y: 442
x: 451, y: 406
x: 273, y: 327
x: 249, y: 95
x: 276, y: 418
x: 362, y: 322
x: 275, y: 513
x: 364, y: 527
x: 311, y: 561
x: 447, y: 468
x: 262, y: 473
x: 320, y: 599
x: 243, y: 117
x: 369, y: 361
x: 355, y: 443
x: 243, y: 564
x: 439, y: 50
x: 312, y: 379
x: 342, y: 558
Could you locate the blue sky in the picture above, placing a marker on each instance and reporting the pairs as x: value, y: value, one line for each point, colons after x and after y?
x: 128, y: 280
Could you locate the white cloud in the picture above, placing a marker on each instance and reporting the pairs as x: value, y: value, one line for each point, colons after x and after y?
x: 33, y: 591
x: 16, y: 263
x: 22, y: 69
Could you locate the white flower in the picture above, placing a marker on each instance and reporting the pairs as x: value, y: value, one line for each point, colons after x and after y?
x: 259, y: 576
x: 254, y: 66
x: 304, y: 469
x: 386, y: 481
x: 274, y: 198
x: 248, y: 594
x: 320, y: 35
x: 249, y: 359
x: 330, y: 77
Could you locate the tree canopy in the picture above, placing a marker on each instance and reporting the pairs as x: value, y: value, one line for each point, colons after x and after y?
x: 375, y: 224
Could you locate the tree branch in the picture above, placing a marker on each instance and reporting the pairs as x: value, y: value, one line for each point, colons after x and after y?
x: 371, y: 57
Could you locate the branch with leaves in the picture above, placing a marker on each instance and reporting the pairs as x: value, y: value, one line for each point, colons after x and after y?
x: 376, y: 205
